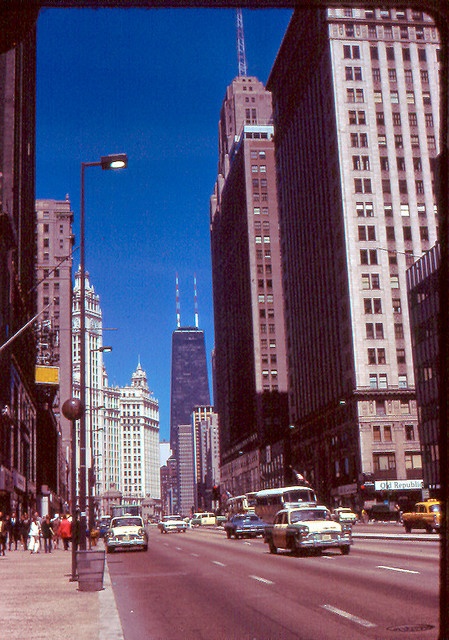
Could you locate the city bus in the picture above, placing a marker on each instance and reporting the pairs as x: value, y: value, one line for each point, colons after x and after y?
x: 269, y: 501
x: 237, y: 504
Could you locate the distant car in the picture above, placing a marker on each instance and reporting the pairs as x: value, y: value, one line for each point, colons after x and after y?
x: 103, y: 527
x: 202, y: 519
x: 126, y: 532
x: 245, y: 525
x: 172, y: 523
x: 383, y: 512
x: 425, y: 515
x: 344, y: 514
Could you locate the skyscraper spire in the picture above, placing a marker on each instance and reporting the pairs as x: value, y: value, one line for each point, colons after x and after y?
x: 195, y: 300
x: 241, y: 55
x: 178, y: 305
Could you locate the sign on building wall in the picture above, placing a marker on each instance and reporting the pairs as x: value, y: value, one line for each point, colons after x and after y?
x: 46, y: 375
x: 398, y: 485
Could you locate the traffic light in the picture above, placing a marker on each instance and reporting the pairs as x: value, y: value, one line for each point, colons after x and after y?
x: 216, y: 492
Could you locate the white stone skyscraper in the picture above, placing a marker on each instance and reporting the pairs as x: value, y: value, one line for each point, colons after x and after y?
x: 356, y: 111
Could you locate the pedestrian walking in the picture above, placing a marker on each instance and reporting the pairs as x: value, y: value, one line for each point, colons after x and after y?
x: 24, y: 529
x: 65, y: 532
x: 55, y: 526
x: 2, y: 534
x: 47, y: 534
x: 14, y: 537
x: 34, y: 535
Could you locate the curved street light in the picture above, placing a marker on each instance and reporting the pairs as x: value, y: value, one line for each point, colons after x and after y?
x: 114, y: 161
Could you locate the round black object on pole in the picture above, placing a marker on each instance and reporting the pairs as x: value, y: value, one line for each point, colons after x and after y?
x: 73, y: 409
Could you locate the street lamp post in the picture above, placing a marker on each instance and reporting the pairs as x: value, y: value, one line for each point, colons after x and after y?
x: 117, y: 161
x: 92, y: 472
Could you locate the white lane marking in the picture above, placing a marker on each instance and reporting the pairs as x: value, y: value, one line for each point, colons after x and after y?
x: 195, y: 555
x: 259, y: 579
x: 380, y: 566
x: 348, y: 616
x: 220, y: 564
x: 178, y: 548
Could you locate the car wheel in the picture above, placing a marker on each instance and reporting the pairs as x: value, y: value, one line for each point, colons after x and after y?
x: 429, y: 529
x: 273, y: 549
x: 228, y: 534
x: 108, y: 550
x: 407, y: 528
x: 345, y: 550
x: 237, y: 536
x: 145, y: 548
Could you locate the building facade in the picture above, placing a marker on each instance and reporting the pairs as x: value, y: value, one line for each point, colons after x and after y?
x: 355, y: 152
x: 139, y: 425
x: 189, y: 388
x: 54, y: 235
x: 424, y: 305
x: 250, y: 372
x: 18, y: 401
x: 206, y: 453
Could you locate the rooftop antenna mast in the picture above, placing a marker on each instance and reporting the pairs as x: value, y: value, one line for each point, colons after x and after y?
x: 178, y: 306
x: 241, y: 55
x: 195, y: 300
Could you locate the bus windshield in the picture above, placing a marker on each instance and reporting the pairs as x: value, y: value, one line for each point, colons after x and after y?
x: 269, y: 501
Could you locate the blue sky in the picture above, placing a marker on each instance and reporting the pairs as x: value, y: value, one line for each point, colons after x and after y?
x: 149, y: 83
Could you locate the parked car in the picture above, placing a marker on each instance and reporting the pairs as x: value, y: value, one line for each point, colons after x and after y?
x: 172, y: 523
x: 344, y: 514
x: 244, y: 525
x: 383, y: 512
x: 426, y: 515
x: 307, y: 529
x: 126, y: 532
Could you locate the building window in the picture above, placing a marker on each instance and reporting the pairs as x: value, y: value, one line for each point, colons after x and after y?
x: 429, y: 119
x: 413, y: 460
x: 377, y: 434
x: 422, y: 57
x: 388, y: 210
x: 400, y: 356
x: 374, y: 52
x: 417, y: 164
x: 369, y: 328
x: 396, y: 119
x: 383, y: 383
x: 405, y: 210
x: 373, y: 381
x: 376, y: 74
x: 387, y: 434
x: 384, y: 462
x: 424, y: 76
x: 392, y: 75
x: 426, y: 97
x: 398, y: 143
x: 397, y: 305
x: 390, y: 233
x: 424, y: 233
x: 419, y: 186
x: 390, y: 53
x: 379, y: 331
x: 407, y: 231
x: 409, y: 432
x: 377, y: 96
x: 406, y: 54
x: 382, y: 140
x: 394, y: 97
x: 386, y: 186
x: 394, y: 281
x: 431, y: 142
x: 384, y: 165
x: 399, y: 331
x: 402, y: 186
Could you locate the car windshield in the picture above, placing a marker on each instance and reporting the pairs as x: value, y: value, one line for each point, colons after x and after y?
x: 435, y: 507
x: 170, y: 518
x: 126, y: 522
x: 309, y: 514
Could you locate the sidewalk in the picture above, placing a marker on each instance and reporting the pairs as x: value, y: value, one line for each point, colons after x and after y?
x: 39, y: 602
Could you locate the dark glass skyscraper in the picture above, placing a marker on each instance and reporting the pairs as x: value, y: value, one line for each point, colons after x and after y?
x: 189, y: 380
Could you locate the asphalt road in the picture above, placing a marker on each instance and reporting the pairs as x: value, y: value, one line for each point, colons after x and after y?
x: 199, y: 585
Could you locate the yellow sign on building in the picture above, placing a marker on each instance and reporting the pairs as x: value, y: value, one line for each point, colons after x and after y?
x: 46, y: 375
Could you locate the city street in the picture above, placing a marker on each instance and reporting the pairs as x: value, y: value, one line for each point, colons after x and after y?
x: 201, y: 585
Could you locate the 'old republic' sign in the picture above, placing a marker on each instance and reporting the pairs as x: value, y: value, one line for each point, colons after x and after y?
x: 398, y: 485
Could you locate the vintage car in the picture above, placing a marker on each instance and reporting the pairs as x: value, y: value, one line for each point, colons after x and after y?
x: 203, y: 519
x: 307, y: 529
x: 426, y: 515
x: 126, y: 532
x: 172, y: 523
x: 244, y: 525
x: 344, y: 514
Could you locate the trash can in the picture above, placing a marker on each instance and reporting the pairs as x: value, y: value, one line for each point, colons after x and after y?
x: 90, y: 565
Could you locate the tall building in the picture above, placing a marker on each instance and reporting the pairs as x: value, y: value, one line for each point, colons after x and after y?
x: 139, y: 422
x: 250, y: 372
x: 54, y: 220
x: 206, y: 453
x: 355, y: 153
x: 424, y: 304
x: 189, y: 388
x: 18, y: 401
